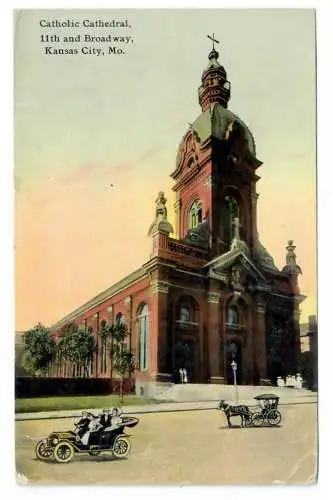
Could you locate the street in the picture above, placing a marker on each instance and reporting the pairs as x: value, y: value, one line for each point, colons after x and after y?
x: 193, y: 447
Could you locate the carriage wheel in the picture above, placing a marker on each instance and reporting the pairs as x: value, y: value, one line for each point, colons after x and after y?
x: 63, y: 452
x: 42, y: 451
x: 258, y: 420
x: 274, y: 417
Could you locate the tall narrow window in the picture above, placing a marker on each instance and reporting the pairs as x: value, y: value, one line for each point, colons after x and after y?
x: 143, y: 322
x: 195, y: 214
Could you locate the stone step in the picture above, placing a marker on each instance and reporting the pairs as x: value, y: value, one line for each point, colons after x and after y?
x: 209, y: 392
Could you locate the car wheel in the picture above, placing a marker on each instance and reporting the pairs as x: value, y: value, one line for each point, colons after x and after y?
x: 43, y: 452
x: 63, y: 452
x: 121, y: 447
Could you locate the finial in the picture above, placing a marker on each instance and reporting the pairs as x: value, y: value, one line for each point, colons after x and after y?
x: 161, y: 222
x: 291, y: 256
x: 291, y: 266
x: 213, y: 39
x: 213, y: 53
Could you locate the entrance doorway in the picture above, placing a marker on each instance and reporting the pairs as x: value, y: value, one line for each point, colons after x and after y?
x: 234, y: 353
x: 185, y: 357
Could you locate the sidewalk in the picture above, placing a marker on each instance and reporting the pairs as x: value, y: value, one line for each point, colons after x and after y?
x: 295, y: 398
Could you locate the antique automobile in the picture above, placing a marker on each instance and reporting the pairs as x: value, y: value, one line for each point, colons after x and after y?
x: 268, y: 410
x: 63, y: 445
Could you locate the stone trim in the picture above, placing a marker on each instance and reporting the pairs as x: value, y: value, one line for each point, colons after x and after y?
x: 213, y: 298
x: 261, y: 308
x: 128, y: 301
x: 218, y: 276
x: 159, y: 287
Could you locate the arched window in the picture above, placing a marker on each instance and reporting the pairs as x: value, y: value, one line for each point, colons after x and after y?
x: 195, y: 214
x: 143, y: 323
x: 120, y: 319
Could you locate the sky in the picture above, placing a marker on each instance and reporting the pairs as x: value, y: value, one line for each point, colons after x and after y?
x: 85, y: 122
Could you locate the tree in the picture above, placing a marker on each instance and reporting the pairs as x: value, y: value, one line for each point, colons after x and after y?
x: 122, y: 359
x: 39, y: 350
x: 77, y: 347
x: 124, y: 364
x: 83, y: 346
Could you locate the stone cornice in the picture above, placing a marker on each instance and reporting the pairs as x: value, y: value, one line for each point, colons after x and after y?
x: 118, y: 287
x: 159, y: 287
x: 213, y: 298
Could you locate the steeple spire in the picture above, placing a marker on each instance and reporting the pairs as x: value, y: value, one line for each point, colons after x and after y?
x: 215, y: 87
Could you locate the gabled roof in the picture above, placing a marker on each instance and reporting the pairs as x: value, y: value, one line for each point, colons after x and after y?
x: 227, y: 259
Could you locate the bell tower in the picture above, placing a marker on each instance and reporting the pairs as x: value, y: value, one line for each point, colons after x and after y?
x: 216, y: 170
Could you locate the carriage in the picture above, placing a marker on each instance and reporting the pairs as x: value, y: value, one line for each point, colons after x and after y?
x: 268, y: 411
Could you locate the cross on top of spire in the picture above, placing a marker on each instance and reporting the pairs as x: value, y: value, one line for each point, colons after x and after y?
x: 213, y: 39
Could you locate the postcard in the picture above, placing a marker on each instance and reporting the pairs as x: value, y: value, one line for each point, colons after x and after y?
x: 165, y: 247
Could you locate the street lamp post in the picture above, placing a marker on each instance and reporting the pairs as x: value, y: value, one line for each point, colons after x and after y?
x: 234, y: 369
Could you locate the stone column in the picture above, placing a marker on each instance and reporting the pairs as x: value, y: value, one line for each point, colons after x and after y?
x: 260, y: 347
x: 297, y: 339
x: 97, y: 364
x: 128, y: 319
x: 254, y: 201
x: 158, y: 340
x: 214, y: 340
x: 177, y: 207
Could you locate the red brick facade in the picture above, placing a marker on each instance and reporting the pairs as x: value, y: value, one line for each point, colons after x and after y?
x: 211, y: 293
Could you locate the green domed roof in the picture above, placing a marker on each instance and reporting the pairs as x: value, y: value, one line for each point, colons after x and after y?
x: 263, y: 257
x: 214, y: 123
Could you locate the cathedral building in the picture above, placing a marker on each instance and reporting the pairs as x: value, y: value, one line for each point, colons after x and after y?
x: 210, y: 292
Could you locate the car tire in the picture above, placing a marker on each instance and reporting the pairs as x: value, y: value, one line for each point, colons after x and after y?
x: 121, y: 447
x: 43, y: 452
x: 63, y: 452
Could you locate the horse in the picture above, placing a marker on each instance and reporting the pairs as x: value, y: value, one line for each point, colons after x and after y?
x: 239, y: 410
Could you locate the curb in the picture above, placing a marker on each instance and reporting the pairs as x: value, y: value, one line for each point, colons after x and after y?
x: 188, y: 406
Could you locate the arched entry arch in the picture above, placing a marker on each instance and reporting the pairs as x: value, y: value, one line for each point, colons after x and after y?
x: 186, y: 336
x: 236, y: 331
